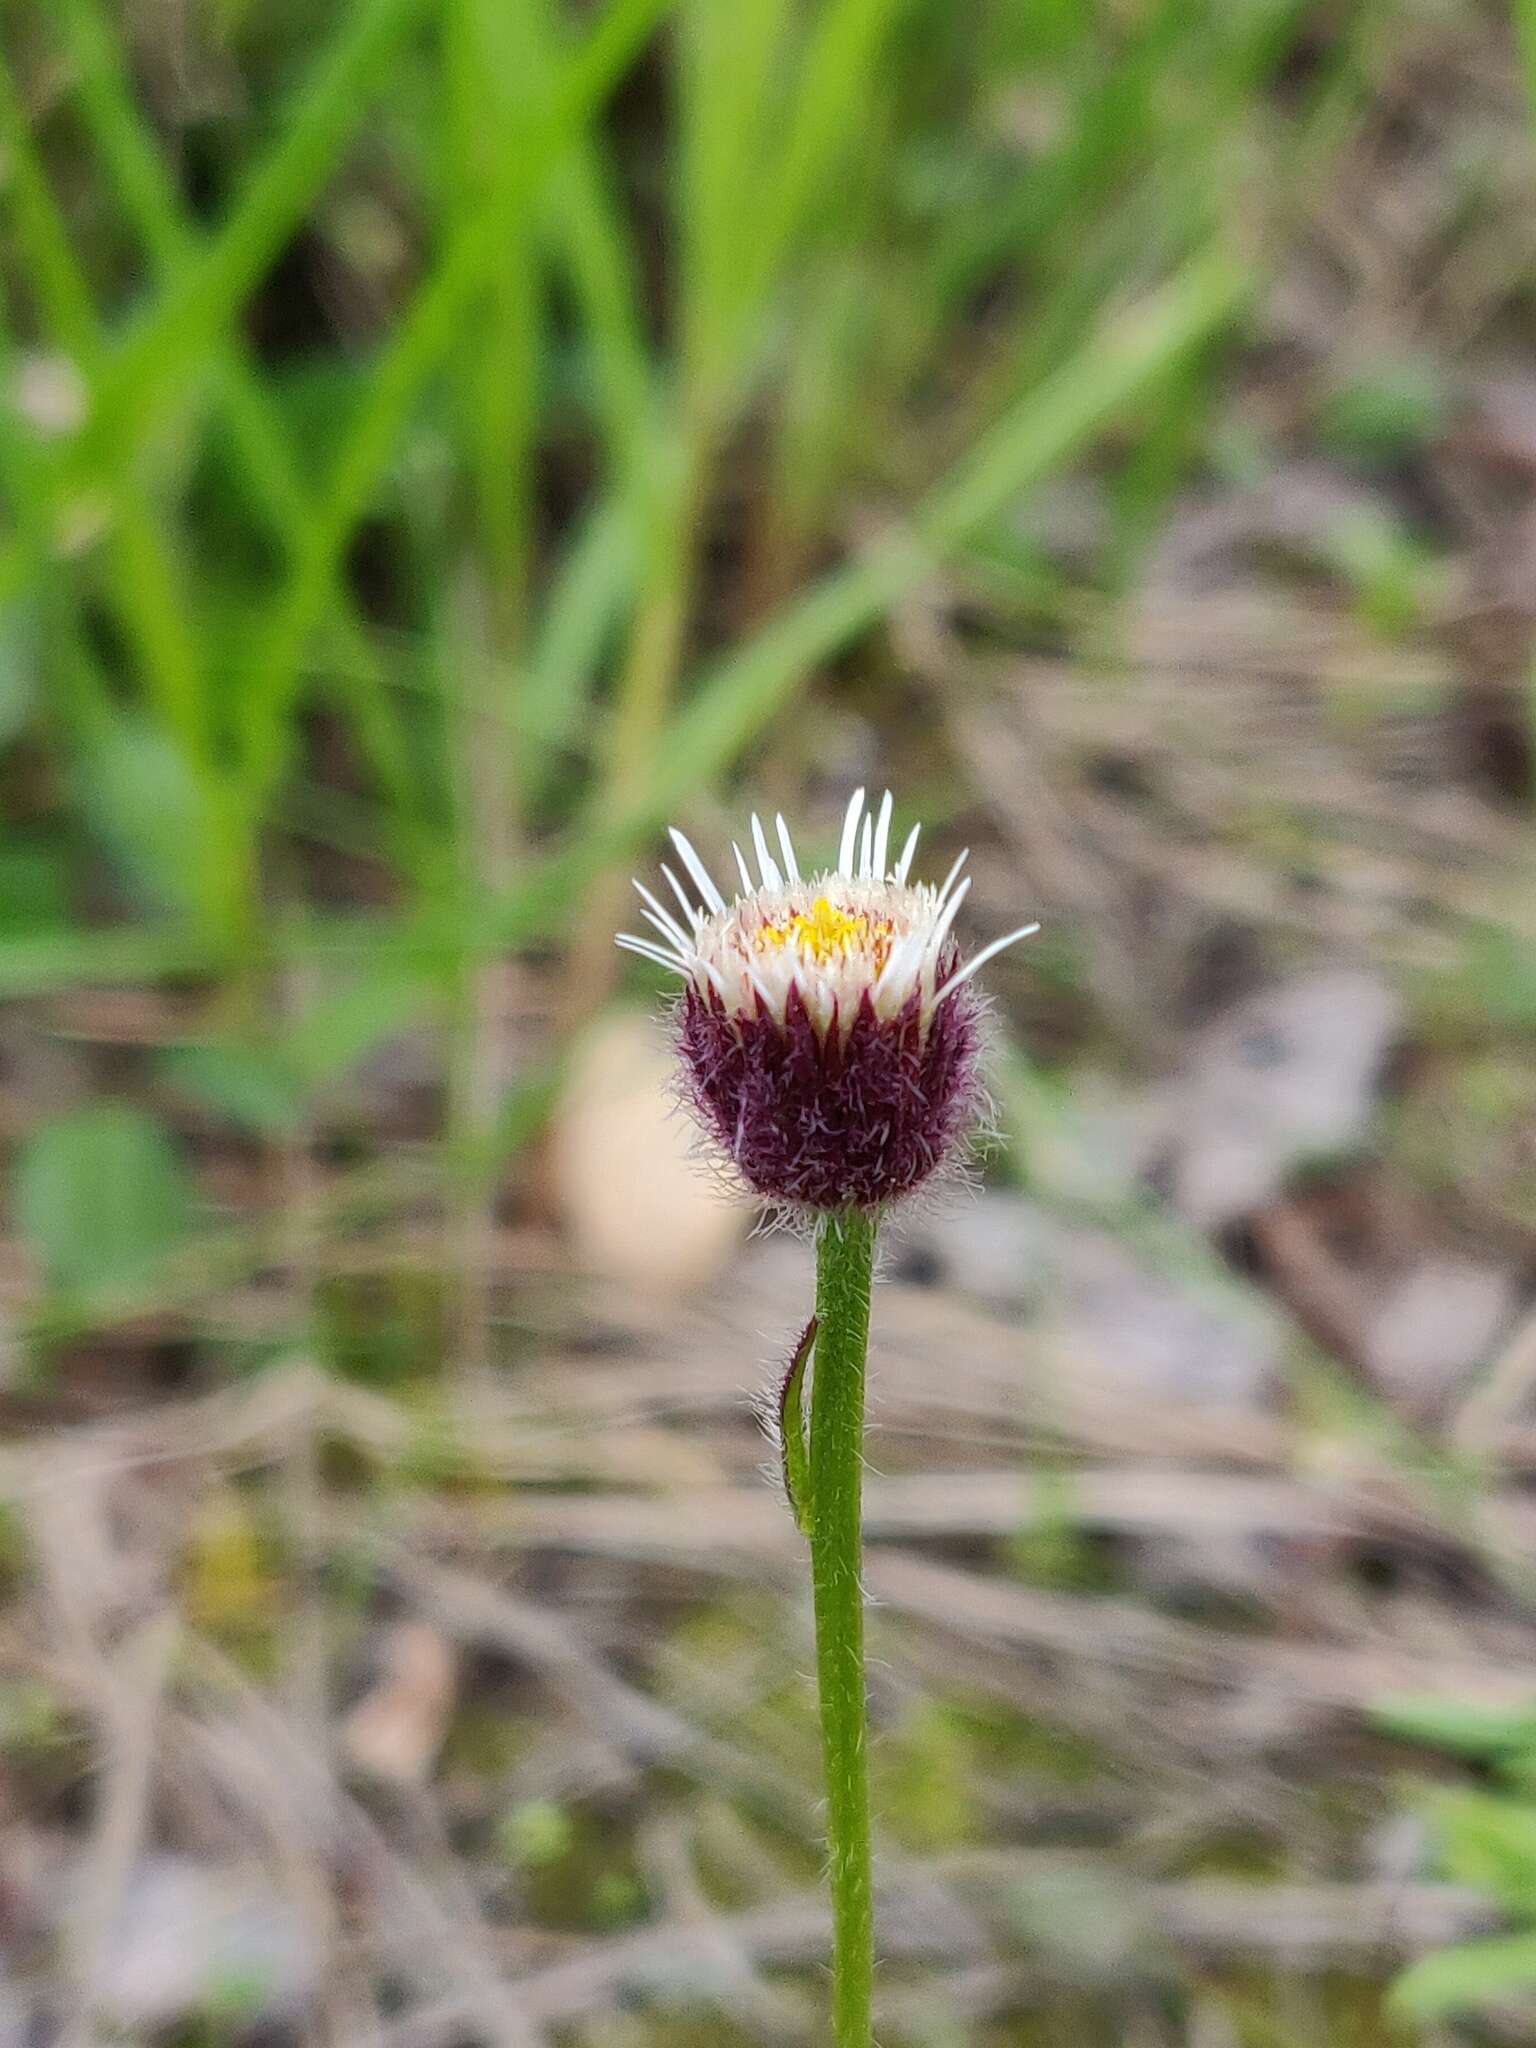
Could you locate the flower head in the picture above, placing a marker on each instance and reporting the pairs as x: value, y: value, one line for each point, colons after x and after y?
x: 829, y: 1031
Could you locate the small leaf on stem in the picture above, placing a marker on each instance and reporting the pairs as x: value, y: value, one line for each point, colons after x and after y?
x: 793, y: 1448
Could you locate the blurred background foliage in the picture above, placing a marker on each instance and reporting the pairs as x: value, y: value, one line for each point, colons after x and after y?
x: 443, y: 440
x: 438, y: 433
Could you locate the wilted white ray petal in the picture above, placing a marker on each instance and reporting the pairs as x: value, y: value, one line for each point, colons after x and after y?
x: 883, y: 836
x: 902, y: 958
x: 772, y: 879
x: 904, y: 865
x: 690, y: 910
x: 787, y: 848
x: 987, y: 953
x: 850, y: 837
x: 762, y: 988
x: 948, y: 882
x: 748, y: 886
x: 683, y: 951
x: 866, y: 835
x: 698, y: 871
x: 662, y: 915
x: 649, y: 952
x: 946, y: 918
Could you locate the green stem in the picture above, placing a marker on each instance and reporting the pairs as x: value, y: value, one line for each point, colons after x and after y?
x: 845, y: 1258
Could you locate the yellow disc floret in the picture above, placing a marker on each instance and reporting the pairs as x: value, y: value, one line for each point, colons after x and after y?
x: 825, y: 933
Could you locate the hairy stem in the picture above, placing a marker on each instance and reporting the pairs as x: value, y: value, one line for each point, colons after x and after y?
x: 845, y: 1256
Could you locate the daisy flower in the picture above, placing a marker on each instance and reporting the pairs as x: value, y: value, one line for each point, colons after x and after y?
x: 829, y: 1029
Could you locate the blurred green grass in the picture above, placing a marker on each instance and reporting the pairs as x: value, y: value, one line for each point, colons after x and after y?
x: 438, y: 428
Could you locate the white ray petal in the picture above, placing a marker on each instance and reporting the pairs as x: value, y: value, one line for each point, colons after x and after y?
x: 748, y: 886
x: 866, y: 835
x: 883, y: 836
x: 903, y: 866
x: 948, y: 882
x: 850, y: 837
x: 940, y: 932
x: 761, y: 986
x: 787, y: 848
x: 690, y: 910
x: 772, y: 879
x: 649, y: 952
x: 662, y: 915
x: 700, y: 873
x: 684, y: 953
x: 987, y: 953
x: 901, y: 960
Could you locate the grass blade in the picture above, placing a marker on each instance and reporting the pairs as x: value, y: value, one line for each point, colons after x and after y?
x: 423, y: 339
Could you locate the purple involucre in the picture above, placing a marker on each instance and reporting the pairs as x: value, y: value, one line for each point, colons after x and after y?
x: 833, y: 1122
